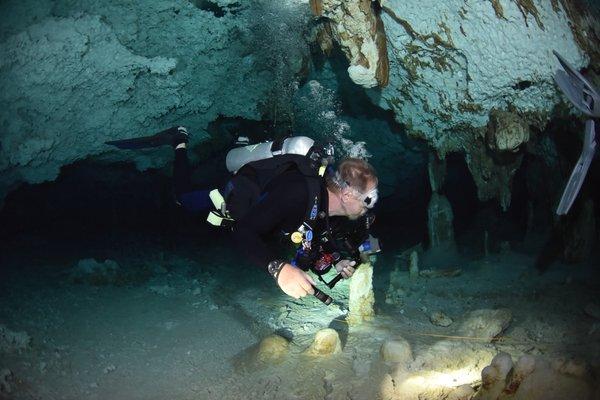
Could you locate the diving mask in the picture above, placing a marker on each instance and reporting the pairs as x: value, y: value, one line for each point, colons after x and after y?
x: 370, y: 198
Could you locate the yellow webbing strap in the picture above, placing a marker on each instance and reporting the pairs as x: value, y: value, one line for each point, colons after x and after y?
x: 218, y: 219
x: 214, y: 219
x: 217, y: 199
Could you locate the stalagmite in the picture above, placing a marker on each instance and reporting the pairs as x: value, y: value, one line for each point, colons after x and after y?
x: 362, y: 297
x: 440, y: 223
x: 413, y: 266
x: 326, y: 342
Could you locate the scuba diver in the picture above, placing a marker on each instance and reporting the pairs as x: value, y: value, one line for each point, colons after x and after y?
x: 285, y: 187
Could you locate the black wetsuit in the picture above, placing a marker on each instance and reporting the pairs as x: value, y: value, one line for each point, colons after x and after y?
x: 280, y: 210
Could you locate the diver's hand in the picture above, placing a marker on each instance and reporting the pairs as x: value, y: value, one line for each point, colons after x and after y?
x: 295, y: 282
x: 346, y: 268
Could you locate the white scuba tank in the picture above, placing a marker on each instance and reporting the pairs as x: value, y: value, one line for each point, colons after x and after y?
x: 240, y: 156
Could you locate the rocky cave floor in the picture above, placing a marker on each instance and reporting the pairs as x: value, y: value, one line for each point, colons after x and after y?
x: 184, y: 323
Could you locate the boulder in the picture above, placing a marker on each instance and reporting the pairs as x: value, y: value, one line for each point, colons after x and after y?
x: 440, y: 319
x: 397, y: 350
x: 11, y: 341
x: 326, y: 342
x: 486, y: 323
x: 506, y: 131
x: 272, y: 349
x: 535, y: 378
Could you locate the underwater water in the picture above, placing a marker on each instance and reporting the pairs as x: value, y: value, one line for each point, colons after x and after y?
x: 110, y: 290
x: 105, y: 295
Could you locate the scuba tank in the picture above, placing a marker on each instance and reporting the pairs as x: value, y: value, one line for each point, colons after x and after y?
x: 240, y: 156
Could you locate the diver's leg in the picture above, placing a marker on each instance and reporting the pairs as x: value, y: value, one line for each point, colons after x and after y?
x: 172, y: 137
x: 187, y: 196
x: 182, y: 182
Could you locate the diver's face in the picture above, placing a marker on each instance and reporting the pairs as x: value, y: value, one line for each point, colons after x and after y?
x: 354, y: 203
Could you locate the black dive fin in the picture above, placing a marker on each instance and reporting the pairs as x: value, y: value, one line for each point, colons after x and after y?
x: 577, y: 89
x: 171, y: 137
x: 579, y: 171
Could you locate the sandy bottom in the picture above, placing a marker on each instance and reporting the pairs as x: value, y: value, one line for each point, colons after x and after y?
x: 184, y: 324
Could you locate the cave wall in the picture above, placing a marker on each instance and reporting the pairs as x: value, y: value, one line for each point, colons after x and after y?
x: 76, y: 73
x: 473, y: 77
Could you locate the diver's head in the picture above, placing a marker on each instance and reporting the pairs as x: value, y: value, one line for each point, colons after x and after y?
x: 353, y: 188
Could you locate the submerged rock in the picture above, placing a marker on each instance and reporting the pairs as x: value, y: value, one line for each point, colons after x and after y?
x: 326, y: 342
x: 506, y: 131
x: 440, y: 319
x: 6, y: 376
x: 11, y: 341
x: 272, y: 349
x: 92, y: 272
x: 358, y: 29
x: 440, y: 222
x: 485, y: 324
x: 534, y: 378
x: 397, y: 351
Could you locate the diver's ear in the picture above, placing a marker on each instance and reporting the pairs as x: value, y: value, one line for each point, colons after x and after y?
x: 346, y: 195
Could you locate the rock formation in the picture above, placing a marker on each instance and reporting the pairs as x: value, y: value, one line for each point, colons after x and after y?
x: 361, y: 298
x: 439, y: 222
x: 460, y: 80
x: 358, y: 30
x: 534, y: 378
x: 326, y: 342
x: 75, y: 74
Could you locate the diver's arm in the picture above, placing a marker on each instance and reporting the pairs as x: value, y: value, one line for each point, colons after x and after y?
x: 294, y: 282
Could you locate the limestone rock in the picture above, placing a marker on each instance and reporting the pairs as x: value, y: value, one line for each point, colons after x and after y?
x: 506, y: 131
x: 272, y: 349
x: 454, y: 63
x: 357, y: 28
x: 485, y: 323
x: 6, y: 376
x: 397, y: 351
x: 493, y: 180
x: 326, y: 342
x: 440, y: 222
x: 413, y: 266
x: 75, y: 74
x: 463, y: 392
x: 436, y: 169
x: 534, y: 378
x: 362, y: 297
x: 11, y: 341
x: 92, y: 272
x: 440, y: 319
x: 396, y: 291
x: 493, y: 377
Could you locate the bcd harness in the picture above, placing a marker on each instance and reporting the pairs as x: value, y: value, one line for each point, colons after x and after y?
x: 253, y: 177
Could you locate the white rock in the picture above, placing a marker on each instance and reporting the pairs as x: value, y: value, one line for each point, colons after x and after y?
x: 440, y: 319
x: 485, y: 323
x: 272, y: 349
x: 326, y: 342
x: 396, y: 351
